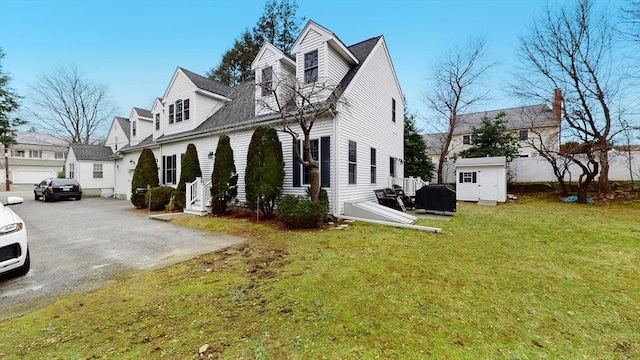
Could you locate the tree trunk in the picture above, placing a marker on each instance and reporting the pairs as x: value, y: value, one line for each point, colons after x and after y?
x: 315, y: 182
x: 603, y: 183
x: 440, y: 166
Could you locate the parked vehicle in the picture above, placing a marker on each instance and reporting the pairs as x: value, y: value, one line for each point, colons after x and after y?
x: 14, y: 251
x: 56, y: 189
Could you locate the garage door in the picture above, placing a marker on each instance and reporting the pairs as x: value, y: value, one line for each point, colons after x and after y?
x: 31, y: 176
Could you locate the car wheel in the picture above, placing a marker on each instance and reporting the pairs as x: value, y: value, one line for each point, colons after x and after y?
x: 35, y: 196
x: 24, y: 269
x: 79, y: 197
x: 44, y: 197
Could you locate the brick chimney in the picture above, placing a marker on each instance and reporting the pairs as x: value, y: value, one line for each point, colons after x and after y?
x: 556, y: 106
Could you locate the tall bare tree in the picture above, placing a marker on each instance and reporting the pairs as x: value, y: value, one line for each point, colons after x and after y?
x: 571, y: 48
x: 299, y: 106
x: 71, y: 106
x: 454, y: 79
x: 630, y: 16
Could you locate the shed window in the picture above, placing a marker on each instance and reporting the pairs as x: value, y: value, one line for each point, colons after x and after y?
x: 72, y: 172
x: 467, y: 177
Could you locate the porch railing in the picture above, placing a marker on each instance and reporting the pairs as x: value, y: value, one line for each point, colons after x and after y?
x: 409, y: 185
x: 198, y: 195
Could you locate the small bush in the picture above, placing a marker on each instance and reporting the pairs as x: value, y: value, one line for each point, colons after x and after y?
x: 158, y: 197
x: 323, y: 198
x: 61, y: 174
x: 297, y: 212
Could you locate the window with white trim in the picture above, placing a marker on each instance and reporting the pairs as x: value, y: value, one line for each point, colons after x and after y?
x: 133, y: 128
x: 35, y: 154
x: 311, y: 67
x: 169, y: 169
x: 353, y: 177
x: 267, y: 81
x: 373, y: 165
x: 97, y: 171
x: 178, y: 111
x: 523, y: 135
x: 157, y: 121
x: 393, y: 109
x: 62, y: 154
x: 314, y: 148
x: 171, y: 113
x: 469, y: 177
x: 72, y: 172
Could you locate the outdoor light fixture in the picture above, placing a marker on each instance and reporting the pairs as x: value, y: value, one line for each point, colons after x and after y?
x: 131, y: 162
x: 210, y: 155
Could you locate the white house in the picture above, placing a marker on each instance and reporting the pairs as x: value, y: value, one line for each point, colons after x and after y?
x: 34, y: 157
x: 481, y: 179
x: 358, y: 146
x: 93, y: 167
x: 531, y: 124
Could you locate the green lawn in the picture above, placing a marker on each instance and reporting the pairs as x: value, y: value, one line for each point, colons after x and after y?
x: 529, y: 280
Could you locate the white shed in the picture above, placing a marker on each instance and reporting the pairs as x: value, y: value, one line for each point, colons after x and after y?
x: 481, y: 179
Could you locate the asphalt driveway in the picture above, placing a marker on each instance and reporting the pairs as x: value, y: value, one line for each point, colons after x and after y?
x: 78, y: 246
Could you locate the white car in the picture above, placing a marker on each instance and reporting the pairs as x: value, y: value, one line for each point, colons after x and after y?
x: 14, y: 252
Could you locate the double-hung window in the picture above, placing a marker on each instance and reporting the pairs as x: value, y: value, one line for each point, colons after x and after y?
x: 171, y: 113
x: 311, y: 67
x: 178, y: 111
x: 97, y: 171
x: 393, y: 109
x: 72, y: 172
x: 169, y: 169
x: 267, y: 81
x: 524, y: 135
x: 373, y: 165
x: 352, y: 163
x: 306, y: 173
x: 35, y: 154
x: 157, y: 121
x: 133, y: 128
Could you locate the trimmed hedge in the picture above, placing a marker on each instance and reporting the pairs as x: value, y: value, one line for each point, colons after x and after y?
x: 158, y: 197
x: 145, y: 175
x: 298, y: 212
x: 189, y: 171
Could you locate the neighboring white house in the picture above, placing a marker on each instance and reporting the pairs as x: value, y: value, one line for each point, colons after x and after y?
x: 358, y: 147
x: 34, y: 157
x: 93, y: 167
x: 481, y: 179
x: 530, y: 124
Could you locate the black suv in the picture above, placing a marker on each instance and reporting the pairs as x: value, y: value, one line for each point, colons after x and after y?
x: 55, y: 189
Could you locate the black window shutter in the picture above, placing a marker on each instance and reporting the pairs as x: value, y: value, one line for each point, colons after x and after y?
x: 325, y: 161
x: 474, y: 177
x: 296, y: 165
x: 460, y: 177
x: 164, y: 166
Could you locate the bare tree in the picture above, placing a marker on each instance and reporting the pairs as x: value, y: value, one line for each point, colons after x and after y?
x: 454, y: 77
x: 299, y: 106
x: 571, y: 48
x: 630, y: 16
x: 67, y: 104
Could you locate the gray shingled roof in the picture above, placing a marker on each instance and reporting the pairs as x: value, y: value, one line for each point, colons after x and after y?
x: 522, y: 117
x: 33, y: 138
x: 91, y: 152
x: 125, y: 125
x: 241, y: 110
x: 143, y: 112
x: 207, y: 84
x: 142, y: 144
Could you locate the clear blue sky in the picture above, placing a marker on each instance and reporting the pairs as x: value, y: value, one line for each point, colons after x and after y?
x: 135, y: 46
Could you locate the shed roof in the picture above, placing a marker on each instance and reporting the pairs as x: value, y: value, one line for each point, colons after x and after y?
x: 497, y: 160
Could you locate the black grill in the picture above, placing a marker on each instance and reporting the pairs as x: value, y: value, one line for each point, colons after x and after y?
x: 10, y: 252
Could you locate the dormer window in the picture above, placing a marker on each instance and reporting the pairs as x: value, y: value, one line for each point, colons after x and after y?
x: 267, y: 81
x: 178, y: 111
x: 311, y: 67
x: 133, y: 128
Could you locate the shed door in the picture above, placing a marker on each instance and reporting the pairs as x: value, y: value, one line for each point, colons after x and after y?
x: 488, y: 184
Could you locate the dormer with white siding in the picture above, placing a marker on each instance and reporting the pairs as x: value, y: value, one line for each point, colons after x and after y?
x: 140, y: 125
x: 188, y: 101
x: 118, y: 136
x: 275, y: 73
x: 321, y: 58
x: 156, y: 114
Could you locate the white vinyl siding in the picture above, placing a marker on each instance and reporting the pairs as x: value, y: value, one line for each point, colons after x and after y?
x: 337, y: 67
x: 366, y: 120
x: 313, y: 41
